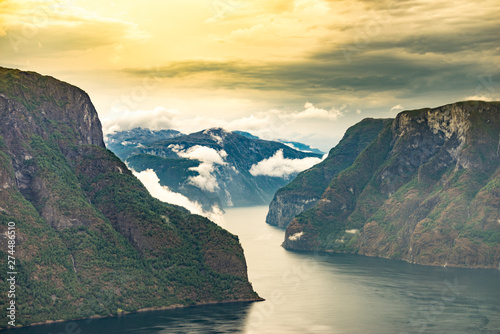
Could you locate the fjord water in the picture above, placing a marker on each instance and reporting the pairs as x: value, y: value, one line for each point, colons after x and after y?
x: 324, y: 293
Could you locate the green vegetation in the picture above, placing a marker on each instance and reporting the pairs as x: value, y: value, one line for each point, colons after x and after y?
x: 424, y: 195
x: 90, y: 238
x: 310, y: 185
x: 315, y: 180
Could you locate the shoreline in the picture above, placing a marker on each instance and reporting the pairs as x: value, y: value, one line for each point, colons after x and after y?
x: 446, y: 265
x: 143, y: 310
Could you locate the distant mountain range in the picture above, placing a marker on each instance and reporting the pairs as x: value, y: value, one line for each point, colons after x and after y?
x: 123, y: 143
x: 423, y: 187
x: 213, y: 167
x: 293, y: 144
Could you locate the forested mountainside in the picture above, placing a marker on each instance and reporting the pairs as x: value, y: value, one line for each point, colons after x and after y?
x: 90, y: 240
x: 306, y: 189
x: 426, y: 190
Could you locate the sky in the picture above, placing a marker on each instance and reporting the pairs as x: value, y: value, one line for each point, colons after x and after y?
x: 301, y: 70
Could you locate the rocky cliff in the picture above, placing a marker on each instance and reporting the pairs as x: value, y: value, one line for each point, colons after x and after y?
x: 426, y: 190
x: 90, y: 240
x: 306, y: 189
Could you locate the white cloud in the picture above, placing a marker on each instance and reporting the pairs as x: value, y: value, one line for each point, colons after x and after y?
x: 488, y: 98
x: 296, y: 236
x: 209, y: 157
x: 307, y: 125
x: 278, y: 166
x: 161, y: 118
x: 205, y: 180
x: 164, y: 194
x: 216, y: 137
x: 353, y: 231
x: 291, y: 146
x: 312, y: 112
x: 157, y: 119
x: 397, y: 108
x: 176, y: 147
x: 204, y: 154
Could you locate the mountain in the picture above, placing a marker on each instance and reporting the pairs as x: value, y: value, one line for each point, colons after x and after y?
x: 246, y: 134
x: 306, y: 189
x: 301, y: 147
x: 89, y: 238
x: 426, y: 190
x: 293, y: 144
x: 219, y: 168
x: 123, y: 143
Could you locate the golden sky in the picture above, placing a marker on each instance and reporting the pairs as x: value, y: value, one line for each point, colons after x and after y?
x: 295, y: 69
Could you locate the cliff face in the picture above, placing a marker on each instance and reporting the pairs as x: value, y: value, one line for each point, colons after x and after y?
x: 306, y: 189
x: 427, y: 191
x: 35, y: 110
x: 90, y: 238
x: 212, y: 167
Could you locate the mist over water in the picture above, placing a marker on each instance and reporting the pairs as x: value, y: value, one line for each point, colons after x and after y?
x: 324, y: 293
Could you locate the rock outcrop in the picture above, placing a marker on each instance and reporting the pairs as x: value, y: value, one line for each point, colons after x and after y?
x: 306, y: 189
x: 427, y: 191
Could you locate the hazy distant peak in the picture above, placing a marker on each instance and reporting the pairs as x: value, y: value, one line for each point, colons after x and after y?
x: 246, y: 134
x: 215, y: 130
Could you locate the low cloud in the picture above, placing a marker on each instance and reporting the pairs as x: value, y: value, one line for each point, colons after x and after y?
x: 205, y: 180
x: 292, y: 146
x: 397, y: 108
x: 279, y: 166
x: 208, y: 157
x: 152, y: 183
x: 272, y: 124
x: 312, y: 112
x: 296, y: 236
x: 487, y: 98
x: 202, y: 153
x: 157, y: 119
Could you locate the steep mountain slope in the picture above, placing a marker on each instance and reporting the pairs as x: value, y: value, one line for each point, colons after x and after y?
x: 90, y: 240
x: 217, y: 167
x: 306, y: 189
x: 427, y: 191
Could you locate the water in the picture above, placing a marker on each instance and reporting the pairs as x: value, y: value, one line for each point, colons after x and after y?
x: 317, y: 293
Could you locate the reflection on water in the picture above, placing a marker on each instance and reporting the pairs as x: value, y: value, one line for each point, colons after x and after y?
x: 213, y: 319
x: 342, y: 293
x: 324, y: 293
